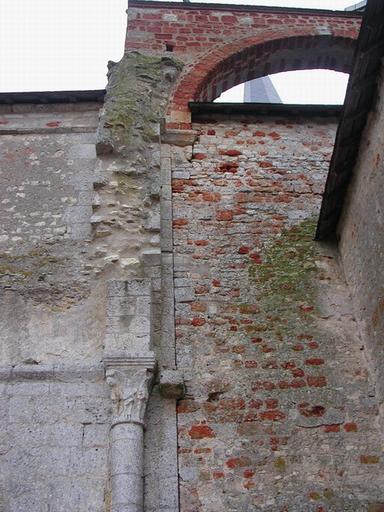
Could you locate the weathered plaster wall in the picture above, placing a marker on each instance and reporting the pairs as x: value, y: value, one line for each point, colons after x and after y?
x: 279, y: 413
x: 47, y: 170
x: 362, y: 242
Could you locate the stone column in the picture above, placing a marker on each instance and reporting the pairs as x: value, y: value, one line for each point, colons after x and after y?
x: 129, y: 379
x: 129, y: 365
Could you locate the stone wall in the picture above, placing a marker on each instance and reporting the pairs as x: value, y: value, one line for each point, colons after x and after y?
x: 55, y: 404
x: 279, y: 412
x: 361, y: 240
x: 73, y: 222
x: 193, y: 250
x: 54, y: 439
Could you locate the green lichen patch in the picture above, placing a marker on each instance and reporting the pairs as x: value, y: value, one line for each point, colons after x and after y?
x: 35, y: 264
x: 285, y: 279
x: 280, y: 464
x: 174, y: 391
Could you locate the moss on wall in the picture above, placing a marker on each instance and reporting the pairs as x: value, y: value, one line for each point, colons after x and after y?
x: 285, y: 280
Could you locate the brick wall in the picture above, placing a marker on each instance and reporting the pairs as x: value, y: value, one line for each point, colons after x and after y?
x: 279, y: 414
x: 223, y: 47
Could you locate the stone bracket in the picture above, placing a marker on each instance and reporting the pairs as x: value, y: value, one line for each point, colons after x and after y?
x: 172, y: 384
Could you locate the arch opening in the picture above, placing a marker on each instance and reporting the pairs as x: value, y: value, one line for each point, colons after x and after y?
x: 311, y: 87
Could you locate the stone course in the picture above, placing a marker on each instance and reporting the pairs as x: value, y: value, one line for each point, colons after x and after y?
x: 54, y: 432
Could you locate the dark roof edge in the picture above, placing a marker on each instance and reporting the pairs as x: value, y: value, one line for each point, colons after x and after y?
x: 199, y: 110
x: 12, y: 98
x: 239, y: 7
x: 360, y: 97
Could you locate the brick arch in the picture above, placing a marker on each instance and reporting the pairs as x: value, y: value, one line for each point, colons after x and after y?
x: 275, y: 56
x: 299, y: 49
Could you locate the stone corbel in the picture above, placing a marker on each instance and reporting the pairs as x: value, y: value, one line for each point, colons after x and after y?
x: 129, y: 379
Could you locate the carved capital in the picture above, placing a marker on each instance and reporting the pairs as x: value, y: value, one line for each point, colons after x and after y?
x: 129, y: 378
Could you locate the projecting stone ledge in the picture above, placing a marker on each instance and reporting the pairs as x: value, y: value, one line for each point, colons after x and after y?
x: 172, y: 384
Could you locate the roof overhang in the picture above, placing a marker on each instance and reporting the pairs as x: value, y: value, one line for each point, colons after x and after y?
x: 13, y: 98
x: 207, y: 111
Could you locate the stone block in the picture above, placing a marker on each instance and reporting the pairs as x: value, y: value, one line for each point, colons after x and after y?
x: 172, y: 384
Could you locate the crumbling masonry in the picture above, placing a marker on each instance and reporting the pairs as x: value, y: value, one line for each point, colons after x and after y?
x: 173, y: 337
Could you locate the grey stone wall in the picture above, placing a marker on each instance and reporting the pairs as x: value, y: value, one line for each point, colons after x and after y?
x: 362, y: 241
x: 54, y: 440
x: 55, y: 403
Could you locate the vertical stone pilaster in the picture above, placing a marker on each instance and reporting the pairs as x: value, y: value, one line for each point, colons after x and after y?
x: 129, y: 366
x: 129, y: 318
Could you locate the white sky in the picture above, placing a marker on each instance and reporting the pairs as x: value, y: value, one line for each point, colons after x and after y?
x: 318, y: 86
x: 66, y: 44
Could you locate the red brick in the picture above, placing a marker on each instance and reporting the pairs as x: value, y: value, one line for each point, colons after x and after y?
x: 201, y: 432
x: 224, y: 215
x: 238, y: 462
x: 198, y: 321
x: 53, y: 124
x: 179, y: 222
x: 272, y: 415
x: 350, y: 427
x: 309, y: 410
x: 198, y: 306
x: 265, y: 165
x: 213, y: 197
x: 316, y: 381
x: 256, y: 258
x: 271, y: 403
x: 231, y: 152
x: 315, y: 361
x: 331, y: 428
